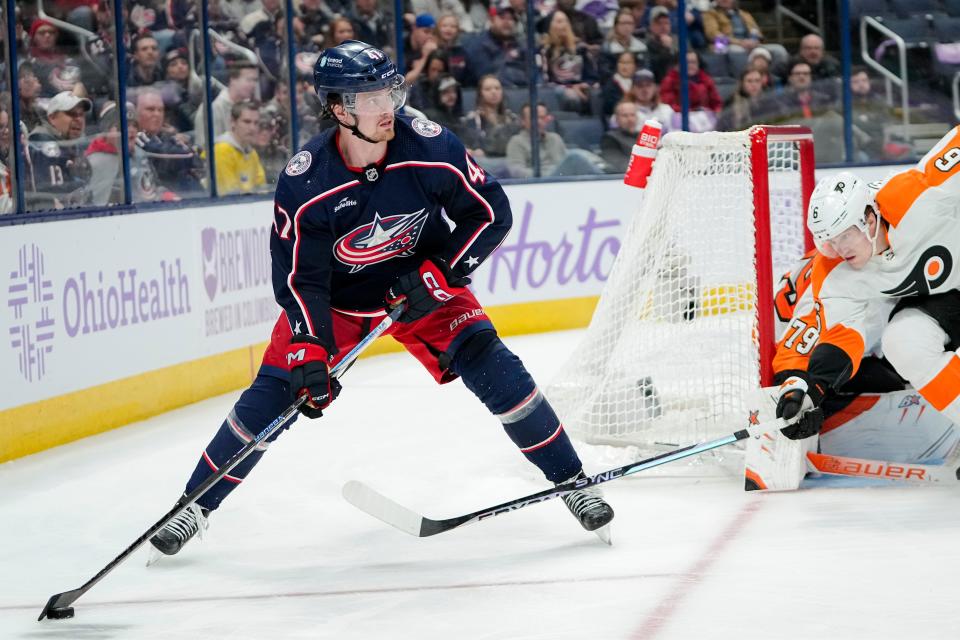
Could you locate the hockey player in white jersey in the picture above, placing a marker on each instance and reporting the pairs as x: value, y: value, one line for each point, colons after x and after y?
x: 896, y: 240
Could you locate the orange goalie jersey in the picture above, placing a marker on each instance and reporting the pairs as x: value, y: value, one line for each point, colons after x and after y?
x: 922, y: 208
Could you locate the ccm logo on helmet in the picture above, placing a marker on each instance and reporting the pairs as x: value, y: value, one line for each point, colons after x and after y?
x: 297, y: 356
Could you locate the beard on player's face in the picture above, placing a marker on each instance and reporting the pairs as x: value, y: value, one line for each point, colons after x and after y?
x: 379, y: 128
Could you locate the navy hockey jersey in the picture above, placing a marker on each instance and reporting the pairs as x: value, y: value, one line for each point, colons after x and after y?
x: 342, y: 235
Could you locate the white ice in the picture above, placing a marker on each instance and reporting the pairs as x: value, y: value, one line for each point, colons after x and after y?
x: 286, y: 557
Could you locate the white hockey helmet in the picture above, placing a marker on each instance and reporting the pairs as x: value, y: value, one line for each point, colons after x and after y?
x: 838, y: 203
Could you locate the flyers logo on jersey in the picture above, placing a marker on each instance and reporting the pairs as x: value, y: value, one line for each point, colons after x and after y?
x: 384, y: 238
x: 932, y: 270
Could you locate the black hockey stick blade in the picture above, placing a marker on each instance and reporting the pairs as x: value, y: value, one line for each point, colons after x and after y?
x: 58, y: 606
x: 379, y: 506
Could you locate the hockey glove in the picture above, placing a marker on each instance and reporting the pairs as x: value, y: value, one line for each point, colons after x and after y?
x: 425, y: 289
x: 309, y: 375
x: 798, y: 404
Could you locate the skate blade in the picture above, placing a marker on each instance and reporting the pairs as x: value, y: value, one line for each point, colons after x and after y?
x: 604, y: 534
x: 153, y: 556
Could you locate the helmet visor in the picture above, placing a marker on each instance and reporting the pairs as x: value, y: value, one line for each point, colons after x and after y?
x: 844, y: 242
x: 386, y: 100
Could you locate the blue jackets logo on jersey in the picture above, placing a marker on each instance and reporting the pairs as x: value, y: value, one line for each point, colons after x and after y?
x: 378, y: 241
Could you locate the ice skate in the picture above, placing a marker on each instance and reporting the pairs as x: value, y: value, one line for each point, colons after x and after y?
x: 176, y: 533
x: 588, y: 506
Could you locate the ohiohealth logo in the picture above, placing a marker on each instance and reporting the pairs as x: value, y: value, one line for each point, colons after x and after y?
x: 30, y: 296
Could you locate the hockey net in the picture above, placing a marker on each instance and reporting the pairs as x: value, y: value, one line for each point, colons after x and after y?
x: 684, y: 329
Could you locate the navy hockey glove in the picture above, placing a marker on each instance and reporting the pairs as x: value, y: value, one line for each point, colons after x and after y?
x: 425, y: 289
x: 309, y: 375
x: 799, y: 404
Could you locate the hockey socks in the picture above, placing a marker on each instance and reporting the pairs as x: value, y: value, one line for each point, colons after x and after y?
x: 498, y: 378
x: 266, y: 398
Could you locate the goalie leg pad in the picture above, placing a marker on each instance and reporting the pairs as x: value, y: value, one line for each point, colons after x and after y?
x: 498, y: 378
x: 774, y: 462
x: 257, y: 407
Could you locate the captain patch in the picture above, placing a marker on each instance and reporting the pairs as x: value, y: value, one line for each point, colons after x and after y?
x: 299, y: 163
x: 426, y: 128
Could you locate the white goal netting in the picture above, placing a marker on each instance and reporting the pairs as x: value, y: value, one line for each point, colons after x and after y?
x: 672, y: 349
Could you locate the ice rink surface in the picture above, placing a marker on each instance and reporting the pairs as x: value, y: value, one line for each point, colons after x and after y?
x: 694, y: 557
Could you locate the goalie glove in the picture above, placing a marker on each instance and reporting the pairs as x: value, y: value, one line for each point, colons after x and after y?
x: 425, y: 289
x: 798, y: 403
x: 310, y: 375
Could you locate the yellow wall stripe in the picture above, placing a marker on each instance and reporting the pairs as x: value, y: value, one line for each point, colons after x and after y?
x: 48, y: 423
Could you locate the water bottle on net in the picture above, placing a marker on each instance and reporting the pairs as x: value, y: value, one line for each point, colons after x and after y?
x: 643, y: 154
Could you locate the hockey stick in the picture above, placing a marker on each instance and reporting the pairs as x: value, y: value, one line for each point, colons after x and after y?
x: 383, y: 508
x: 947, y: 472
x: 58, y: 606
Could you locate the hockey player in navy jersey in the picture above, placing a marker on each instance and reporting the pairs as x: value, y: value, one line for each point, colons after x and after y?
x: 357, y: 228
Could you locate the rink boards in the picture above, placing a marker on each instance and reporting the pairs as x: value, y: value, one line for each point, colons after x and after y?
x: 114, y: 319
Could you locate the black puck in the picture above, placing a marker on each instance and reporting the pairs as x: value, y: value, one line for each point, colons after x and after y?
x: 60, y: 613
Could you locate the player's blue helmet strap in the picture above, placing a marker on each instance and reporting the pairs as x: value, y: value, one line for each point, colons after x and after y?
x: 352, y: 68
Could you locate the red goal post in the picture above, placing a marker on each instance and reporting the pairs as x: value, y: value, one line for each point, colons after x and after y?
x: 761, y: 137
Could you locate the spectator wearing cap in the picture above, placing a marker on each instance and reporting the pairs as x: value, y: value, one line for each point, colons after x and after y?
x: 497, y: 50
x: 238, y: 164
x: 618, y: 84
x: 177, y: 167
x: 369, y: 23
x: 661, y: 43
x: 761, y: 60
x: 584, y: 25
x: 59, y: 168
x: 106, y: 163
x: 702, y: 90
x: 645, y: 94
x: 45, y: 55
x: 567, y: 65
x: 555, y: 158
x: 730, y: 28
x: 421, y: 42
x: 242, y: 81
x: 144, y: 61
x: 446, y: 104
x: 31, y: 113
x: 182, y: 91
x: 616, y: 145
x: 448, y: 41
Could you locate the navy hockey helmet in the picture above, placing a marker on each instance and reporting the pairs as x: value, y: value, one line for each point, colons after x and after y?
x: 352, y: 68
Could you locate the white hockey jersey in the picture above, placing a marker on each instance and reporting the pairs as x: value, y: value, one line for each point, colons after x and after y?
x: 922, y: 207
x: 799, y: 320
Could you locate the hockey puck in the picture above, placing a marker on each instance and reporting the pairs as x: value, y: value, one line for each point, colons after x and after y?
x: 60, y: 613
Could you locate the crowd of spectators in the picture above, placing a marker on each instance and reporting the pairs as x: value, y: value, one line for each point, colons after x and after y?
x: 600, y: 60
x: 612, y: 63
